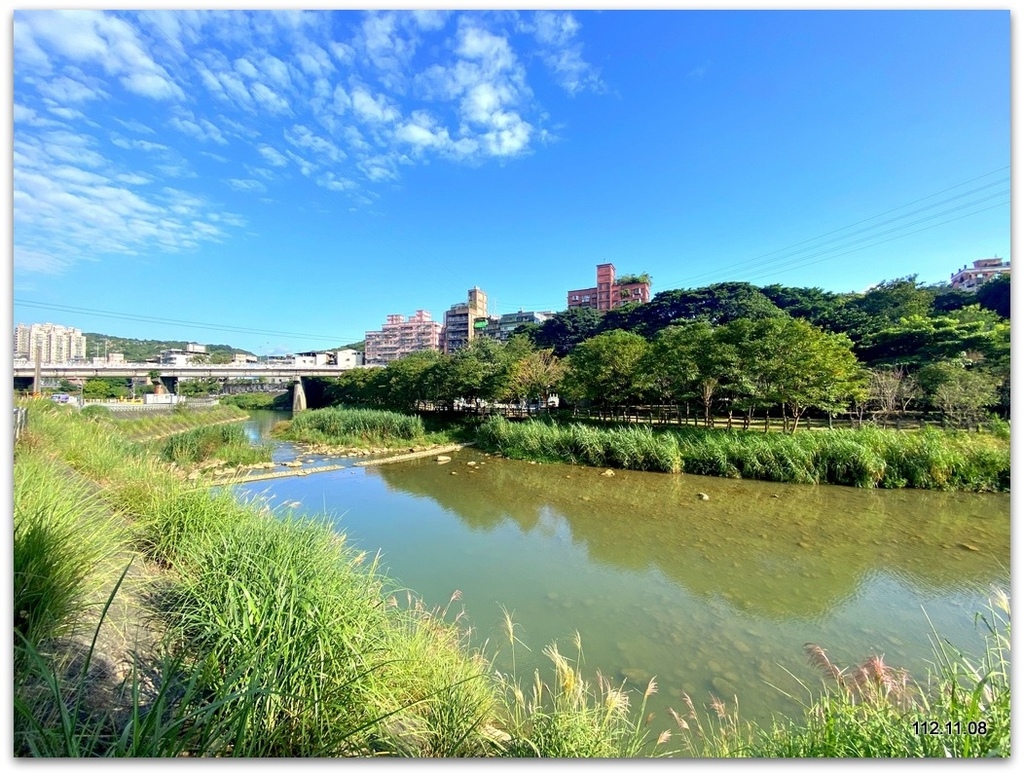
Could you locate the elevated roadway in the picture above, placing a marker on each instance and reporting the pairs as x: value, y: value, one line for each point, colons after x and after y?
x: 191, y: 371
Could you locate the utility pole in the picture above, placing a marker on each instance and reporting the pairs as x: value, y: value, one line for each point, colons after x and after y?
x: 37, y: 382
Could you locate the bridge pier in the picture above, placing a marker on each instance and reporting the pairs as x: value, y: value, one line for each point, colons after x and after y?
x: 298, y: 396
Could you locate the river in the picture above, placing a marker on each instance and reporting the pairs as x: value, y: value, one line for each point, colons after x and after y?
x: 713, y: 596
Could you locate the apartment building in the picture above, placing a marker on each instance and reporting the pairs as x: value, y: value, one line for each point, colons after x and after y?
x: 53, y: 343
x: 968, y: 278
x: 609, y: 293
x: 500, y: 327
x: 400, y: 336
x: 464, y: 321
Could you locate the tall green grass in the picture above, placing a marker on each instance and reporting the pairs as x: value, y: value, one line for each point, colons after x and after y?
x: 926, y: 459
x: 61, y: 534
x: 335, y: 425
x: 227, y: 443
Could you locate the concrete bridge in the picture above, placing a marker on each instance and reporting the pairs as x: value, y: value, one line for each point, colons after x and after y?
x: 25, y: 372
x: 71, y: 371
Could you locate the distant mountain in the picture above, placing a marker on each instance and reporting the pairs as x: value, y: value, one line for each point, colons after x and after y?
x: 139, y: 350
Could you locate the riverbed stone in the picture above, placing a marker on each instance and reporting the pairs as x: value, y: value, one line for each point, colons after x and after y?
x: 443, y: 459
x: 723, y: 688
x: 703, y: 496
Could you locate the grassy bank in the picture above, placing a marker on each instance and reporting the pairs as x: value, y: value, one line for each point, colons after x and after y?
x: 926, y: 459
x: 278, y: 639
x: 143, y: 425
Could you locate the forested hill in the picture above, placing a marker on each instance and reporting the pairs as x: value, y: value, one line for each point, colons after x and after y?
x: 138, y: 350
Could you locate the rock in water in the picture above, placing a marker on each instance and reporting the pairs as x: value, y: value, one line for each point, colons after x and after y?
x: 703, y: 496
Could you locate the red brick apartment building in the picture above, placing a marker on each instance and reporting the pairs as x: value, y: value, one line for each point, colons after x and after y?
x: 609, y: 294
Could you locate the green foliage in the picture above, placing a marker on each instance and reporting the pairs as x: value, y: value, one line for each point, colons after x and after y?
x: 142, y: 350
x: 871, y: 457
x: 257, y: 400
x: 198, y: 387
x: 717, y: 304
x: 962, y: 394
x: 872, y: 710
x: 995, y: 295
x: 106, y: 388
x: 336, y: 425
x: 60, y: 535
x: 564, y: 330
x: 228, y: 443
x: 606, y: 369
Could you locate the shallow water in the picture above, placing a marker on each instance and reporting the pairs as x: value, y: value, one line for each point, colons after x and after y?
x: 714, y: 596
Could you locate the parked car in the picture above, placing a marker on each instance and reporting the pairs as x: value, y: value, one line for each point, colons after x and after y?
x: 60, y: 398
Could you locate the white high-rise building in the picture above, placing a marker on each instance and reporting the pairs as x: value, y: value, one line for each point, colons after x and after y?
x: 55, y: 344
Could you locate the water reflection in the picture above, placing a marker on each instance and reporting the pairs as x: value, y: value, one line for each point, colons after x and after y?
x: 709, y: 596
x: 768, y: 549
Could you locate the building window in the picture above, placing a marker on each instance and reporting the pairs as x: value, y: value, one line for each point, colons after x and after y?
x: 586, y: 298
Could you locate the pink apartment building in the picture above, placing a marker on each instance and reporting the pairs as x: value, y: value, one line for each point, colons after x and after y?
x: 400, y: 336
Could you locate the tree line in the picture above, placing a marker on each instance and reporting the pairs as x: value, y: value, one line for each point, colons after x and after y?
x: 731, y: 350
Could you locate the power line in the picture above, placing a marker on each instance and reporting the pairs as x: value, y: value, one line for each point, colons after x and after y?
x: 190, y: 323
x: 791, y: 248
x: 816, y: 260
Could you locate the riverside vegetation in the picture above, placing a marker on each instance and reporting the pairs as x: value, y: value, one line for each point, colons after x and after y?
x: 266, y: 635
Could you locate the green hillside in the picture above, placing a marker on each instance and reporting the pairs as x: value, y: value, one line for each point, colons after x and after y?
x: 138, y: 350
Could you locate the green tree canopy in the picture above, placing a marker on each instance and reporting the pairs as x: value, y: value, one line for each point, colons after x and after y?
x: 607, y: 370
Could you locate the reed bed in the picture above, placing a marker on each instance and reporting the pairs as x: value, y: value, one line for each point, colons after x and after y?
x: 340, y: 426
x: 227, y: 443
x: 925, y: 459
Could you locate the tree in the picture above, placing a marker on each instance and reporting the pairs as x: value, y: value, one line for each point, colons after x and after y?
x: 405, y: 380
x: 719, y: 304
x: 607, y: 370
x: 891, y: 391
x: 960, y: 392
x: 105, y: 388
x: 918, y: 340
x: 564, y: 330
x: 537, y: 375
x: 789, y: 362
x: 692, y: 360
x: 995, y: 295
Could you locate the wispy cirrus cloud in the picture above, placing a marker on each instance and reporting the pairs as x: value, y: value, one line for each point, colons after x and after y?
x: 346, y: 99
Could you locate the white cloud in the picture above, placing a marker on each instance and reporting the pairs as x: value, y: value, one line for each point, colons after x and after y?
x: 246, y: 68
x: 64, y: 90
x: 270, y: 99
x: 272, y: 156
x: 201, y: 129
x: 276, y: 71
x: 247, y: 185
x: 354, y: 99
x: 373, y: 109
x: 301, y: 137
x: 95, y: 37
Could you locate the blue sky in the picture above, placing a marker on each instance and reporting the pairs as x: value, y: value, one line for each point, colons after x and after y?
x: 283, y: 181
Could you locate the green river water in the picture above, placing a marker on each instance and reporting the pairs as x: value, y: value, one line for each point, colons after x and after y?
x: 709, y: 597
